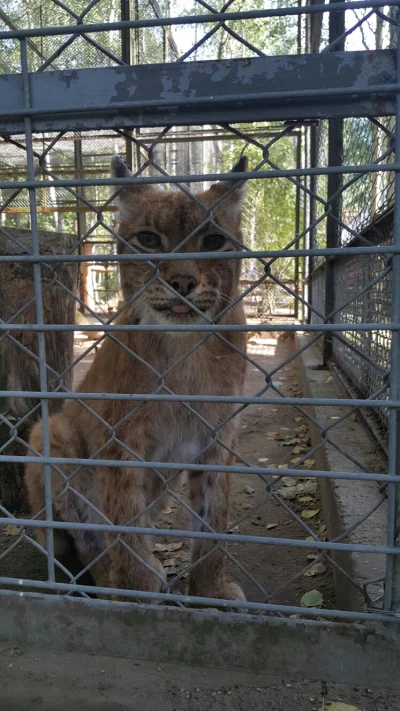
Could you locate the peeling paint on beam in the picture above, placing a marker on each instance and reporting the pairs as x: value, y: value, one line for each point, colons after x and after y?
x: 263, y: 88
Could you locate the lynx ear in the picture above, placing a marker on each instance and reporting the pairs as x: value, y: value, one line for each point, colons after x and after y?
x: 125, y: 199
x: 120, y: 169
x: 241, y: 166
x: 235, y: 198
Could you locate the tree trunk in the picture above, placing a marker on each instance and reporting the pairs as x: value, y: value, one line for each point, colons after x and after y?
x: 19, y: 369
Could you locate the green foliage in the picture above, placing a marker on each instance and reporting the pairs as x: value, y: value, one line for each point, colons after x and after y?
x: 269, y: 209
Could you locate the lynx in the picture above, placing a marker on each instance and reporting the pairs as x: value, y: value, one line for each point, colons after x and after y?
x: 153, y: 220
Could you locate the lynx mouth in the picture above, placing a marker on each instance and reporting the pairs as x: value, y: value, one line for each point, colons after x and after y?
x: 179, y: 308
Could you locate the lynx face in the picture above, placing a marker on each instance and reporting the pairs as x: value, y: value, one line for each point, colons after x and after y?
x: 155, y: 221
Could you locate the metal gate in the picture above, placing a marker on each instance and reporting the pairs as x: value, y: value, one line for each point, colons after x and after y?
x: 298, y: 89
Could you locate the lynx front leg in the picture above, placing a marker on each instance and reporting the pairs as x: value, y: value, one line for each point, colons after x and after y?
x: 210, y: 493
x: 124, y: 497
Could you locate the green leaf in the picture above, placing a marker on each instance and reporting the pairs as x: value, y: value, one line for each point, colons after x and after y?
x: 289, y: 443
x: 312, y: 599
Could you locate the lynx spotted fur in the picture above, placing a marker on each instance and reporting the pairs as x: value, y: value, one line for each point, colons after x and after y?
x: 154, y: 220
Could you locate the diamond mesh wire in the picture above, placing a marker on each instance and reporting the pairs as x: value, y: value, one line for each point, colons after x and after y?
x: 272, y: 226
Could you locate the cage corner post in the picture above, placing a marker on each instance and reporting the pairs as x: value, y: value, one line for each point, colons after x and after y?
x: 335, y: 158
x: 392, y: 577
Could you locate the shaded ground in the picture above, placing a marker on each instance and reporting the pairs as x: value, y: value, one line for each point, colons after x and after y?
x: 264, y: 435
x: 44, y: 681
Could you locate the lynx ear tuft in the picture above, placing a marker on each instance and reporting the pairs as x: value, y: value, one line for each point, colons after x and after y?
x: 120, y: 169
x: 241, y: 166
x: 235, y: 198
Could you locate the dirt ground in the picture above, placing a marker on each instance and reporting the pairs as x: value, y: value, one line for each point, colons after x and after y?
x: 48, y: 681
x: 268, y: 435
x: 38, y: 680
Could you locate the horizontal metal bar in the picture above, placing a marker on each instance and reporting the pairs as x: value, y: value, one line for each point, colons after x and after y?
x: 185, y: 466
x: 144, y: 397
x: 188, y: 20
x: 199, y: 177
x: 177, y: 533
x: 196, y: 93
x: 335, y: 651
x: 151, y: 597
x: 306, y: 93
x: 178, y: 256
x: 198, y: 328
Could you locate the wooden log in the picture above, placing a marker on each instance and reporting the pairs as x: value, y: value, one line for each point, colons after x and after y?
x: 19, y: 369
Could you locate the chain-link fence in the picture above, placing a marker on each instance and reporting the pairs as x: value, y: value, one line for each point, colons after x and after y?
x: 135, y: 394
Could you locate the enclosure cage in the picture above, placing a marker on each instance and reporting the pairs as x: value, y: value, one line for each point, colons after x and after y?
x: 300, y: 100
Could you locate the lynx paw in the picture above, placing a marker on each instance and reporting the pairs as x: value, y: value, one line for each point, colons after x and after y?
x: 233, y: 591
x: 227, y: 591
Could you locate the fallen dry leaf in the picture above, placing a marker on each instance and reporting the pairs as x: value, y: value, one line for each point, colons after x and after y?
x: 263, y: 459
x: 12, y: 530
x: 282, y: 466
x: 275, y: 409
x: 307, y: 487
x: 289, y: 481
x: 167, y: 511
x: 308, y: 463
x: 249, y: 490
x: 169, y: 562
x: 299, y: 449
x: 305, y: 499
x: 271, y: 525
x: 310, y: 513
x: 302, y: 428
x: 298, y: 419
x: 287, y: 494
x: 316, y: 569
x: 311, y: 556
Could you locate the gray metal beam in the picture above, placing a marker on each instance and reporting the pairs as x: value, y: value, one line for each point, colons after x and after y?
x: 263, y: 88
x: 337, y: 652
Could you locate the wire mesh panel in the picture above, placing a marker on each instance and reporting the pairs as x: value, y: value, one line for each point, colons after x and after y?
x: 173, y: 452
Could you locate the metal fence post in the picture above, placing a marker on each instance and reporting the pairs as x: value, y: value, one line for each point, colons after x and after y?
x: 297, y: 226
x: 335, y: 151
x: 81, y: 223
x: 313, y: 144
x: 392, y: 580
x: 126, y: 56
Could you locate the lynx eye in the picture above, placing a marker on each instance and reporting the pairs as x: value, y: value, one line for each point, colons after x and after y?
x: 211, y: 243
x: 149, y: 240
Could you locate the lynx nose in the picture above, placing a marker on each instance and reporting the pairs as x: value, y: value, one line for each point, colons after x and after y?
x: 183, y: 284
